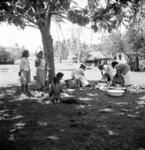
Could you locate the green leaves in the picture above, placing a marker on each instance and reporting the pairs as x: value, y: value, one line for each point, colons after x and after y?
x: 94, y: 27
x: 56, y: 5
x: 20, y: 11
x: 78, y: 17
x: 106, y: 15
x: 111, y: 14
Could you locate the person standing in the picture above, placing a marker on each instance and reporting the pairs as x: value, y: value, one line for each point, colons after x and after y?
x: 124, y: 70
x: 40, y: 65
x: 24, y: 72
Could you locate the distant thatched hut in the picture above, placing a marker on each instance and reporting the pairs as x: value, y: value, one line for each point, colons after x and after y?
x: 97, y: 58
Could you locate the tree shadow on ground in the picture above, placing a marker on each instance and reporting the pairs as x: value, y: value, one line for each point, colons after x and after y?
x: 98, y: 122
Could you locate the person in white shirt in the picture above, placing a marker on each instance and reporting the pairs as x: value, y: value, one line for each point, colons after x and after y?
x: 24, y: 72
x: 79, y: 76
x: 107, y: 72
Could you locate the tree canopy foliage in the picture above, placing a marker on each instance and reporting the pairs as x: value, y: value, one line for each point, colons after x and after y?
x: 31, y: 12
x: 106, y: 14
x: 102, y: 14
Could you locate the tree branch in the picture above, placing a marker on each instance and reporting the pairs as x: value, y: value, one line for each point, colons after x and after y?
x: 33, y: 26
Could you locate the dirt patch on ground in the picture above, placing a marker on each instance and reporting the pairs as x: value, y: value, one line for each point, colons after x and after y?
x: 96, y: 122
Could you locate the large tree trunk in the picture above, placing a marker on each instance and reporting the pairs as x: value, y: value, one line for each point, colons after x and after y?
x: 48, y: 50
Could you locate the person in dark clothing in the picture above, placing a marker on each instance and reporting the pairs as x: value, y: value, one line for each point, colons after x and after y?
x: 56, y: 88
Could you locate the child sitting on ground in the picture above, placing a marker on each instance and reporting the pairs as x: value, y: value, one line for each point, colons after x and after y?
x: 56, y: 88
x: 118, y: 79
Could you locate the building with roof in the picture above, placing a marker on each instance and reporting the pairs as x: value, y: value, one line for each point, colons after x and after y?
x: 97, y: 58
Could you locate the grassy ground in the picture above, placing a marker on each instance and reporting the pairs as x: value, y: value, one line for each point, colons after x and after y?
x: 80, y: 125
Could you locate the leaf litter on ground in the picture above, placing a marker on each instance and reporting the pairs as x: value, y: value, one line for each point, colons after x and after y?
x: 80, y: 107
x: 3, y: 111
x: 52, y: 137
x: 121, y: 103
x: 111, y: 133
x: 92, y: 94
x: 12, y: 137
x: 124, y: 110
x: 132, y: 116
x: 44, y: 124
x: 7, y: 117
x: 16, y: 117
x: 120, y: 114
x: 141, y: 102
x: 85, y: 98
x: 106, y: 110
x: 20, y: 125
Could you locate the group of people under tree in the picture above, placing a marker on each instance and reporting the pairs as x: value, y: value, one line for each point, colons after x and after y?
x: 42, y: 72
x: 122, y: 76
x: 25, y: 72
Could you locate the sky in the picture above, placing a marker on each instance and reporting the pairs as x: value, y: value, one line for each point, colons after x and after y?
x: 31, y: 38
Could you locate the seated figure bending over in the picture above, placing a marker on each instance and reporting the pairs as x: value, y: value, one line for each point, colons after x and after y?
x: 79, y: 76
x: 107, y: 72
x: 124, y: 70
x: 118, y: 79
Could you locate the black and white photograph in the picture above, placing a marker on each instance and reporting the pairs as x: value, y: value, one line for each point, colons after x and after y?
x: 72, y: 74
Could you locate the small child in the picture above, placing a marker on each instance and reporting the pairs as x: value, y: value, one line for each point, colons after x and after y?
x: 118, y: 79
x: 24, y: 72
x: 56, y: 88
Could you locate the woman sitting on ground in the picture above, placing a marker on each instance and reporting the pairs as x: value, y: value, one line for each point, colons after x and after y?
x: 124, y: 70
x: 56, y: 88
x: 118, y: 80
